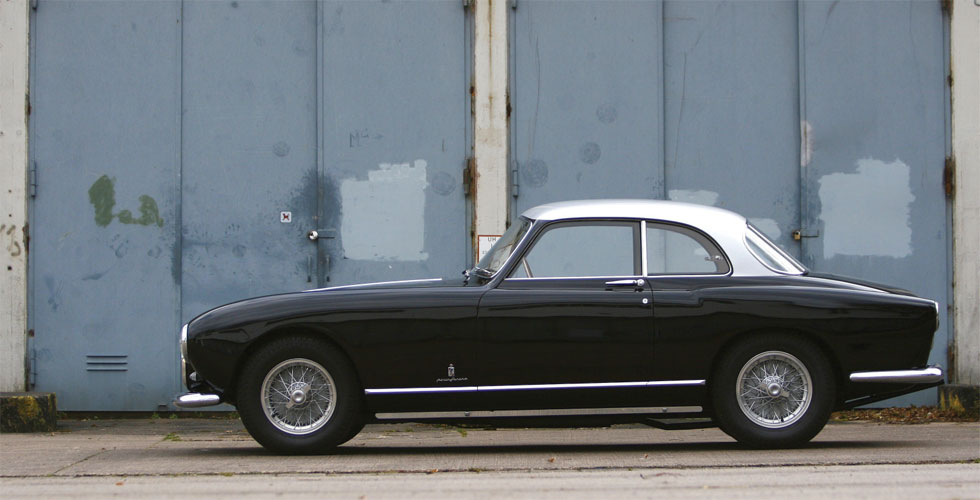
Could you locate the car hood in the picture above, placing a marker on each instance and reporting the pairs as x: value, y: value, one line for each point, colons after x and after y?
x: 273, y: 308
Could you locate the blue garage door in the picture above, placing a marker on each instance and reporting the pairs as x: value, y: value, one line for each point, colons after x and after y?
x: 821, y: 122
x: 185, y: 150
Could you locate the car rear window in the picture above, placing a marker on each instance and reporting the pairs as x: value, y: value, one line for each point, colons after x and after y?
x: 769, y: 254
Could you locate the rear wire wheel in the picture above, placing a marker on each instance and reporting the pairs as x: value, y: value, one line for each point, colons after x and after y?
x: 299, y: 395
x: 773, y: 391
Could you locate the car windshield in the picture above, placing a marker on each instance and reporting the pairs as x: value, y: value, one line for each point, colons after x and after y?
x: 501, y: 250
x: 771, y: 255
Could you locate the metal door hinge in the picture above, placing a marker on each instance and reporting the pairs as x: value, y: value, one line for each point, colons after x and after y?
x: 34, y: 4
x: 33, y: 180
x: 798, y: 235
x: 949, y: 177
x: 469, y: 170
x: 513, y: 4
x: 515, y: 186
x: 31, y: 363
x: 467, y: 3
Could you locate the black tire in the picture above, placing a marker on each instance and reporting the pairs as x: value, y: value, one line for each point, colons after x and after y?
x: 355, y: 430
x: 327, y: 408
x: 773, y: 391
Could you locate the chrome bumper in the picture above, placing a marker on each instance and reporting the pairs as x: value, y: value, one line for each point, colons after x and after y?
x: 197, y: 400
x: 929, y: 375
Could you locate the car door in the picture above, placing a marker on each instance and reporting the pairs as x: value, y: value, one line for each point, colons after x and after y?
x: 687, y: 274
x: 571, y: 325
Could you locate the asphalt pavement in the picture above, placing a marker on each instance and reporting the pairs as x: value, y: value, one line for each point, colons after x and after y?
x: 179, y: 457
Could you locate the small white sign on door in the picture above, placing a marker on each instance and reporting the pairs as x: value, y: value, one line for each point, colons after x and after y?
x: 484, y: 242
x: 286, y: 217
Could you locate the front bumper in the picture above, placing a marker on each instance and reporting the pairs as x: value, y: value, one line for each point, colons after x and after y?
x: 192, y: 399
x: 196, y: 400
x: 929, y: 375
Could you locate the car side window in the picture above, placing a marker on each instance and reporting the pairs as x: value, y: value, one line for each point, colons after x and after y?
x: 678, y: 250
x: 580, y: 249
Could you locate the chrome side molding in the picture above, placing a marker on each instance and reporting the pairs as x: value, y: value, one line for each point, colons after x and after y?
x: 197, y: 400
x: 556, y: 412
x: 535, y: 387
x: 928, y: 375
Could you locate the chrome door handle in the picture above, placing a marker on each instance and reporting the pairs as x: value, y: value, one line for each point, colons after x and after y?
x: 637, y: 283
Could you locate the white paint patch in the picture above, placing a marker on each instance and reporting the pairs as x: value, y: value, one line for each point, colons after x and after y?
x: 384, y: 216
x: 700, y: 197
x: 768, y: 226
x: 806, y: 143
x: 867, y: 213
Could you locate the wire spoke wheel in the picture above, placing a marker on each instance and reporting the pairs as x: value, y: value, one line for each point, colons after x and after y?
x: 774, y: 389
x: 298, y: 396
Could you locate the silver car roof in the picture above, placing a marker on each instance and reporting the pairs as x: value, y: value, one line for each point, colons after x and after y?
x: 725, y: 227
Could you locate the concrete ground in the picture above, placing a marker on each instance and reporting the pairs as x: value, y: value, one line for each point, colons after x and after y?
x: 163, y: 458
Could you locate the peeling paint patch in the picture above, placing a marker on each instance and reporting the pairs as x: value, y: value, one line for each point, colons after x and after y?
x: 534, y: 173
x: 102, y: 196
x: 767, y: 226
x: 806, y: 143
x: 867, y: 213
x: 700, y: 196
x: 589, y: 153
x: 384, y: 216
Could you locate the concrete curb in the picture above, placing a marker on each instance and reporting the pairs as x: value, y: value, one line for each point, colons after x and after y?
x: 28, y: 412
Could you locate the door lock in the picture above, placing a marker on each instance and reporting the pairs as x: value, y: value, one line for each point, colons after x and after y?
x: 316, y: 234
x: 798, y: 235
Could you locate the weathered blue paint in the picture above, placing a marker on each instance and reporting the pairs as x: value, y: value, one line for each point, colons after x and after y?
x: 586, y: 91
x: 395, y: 92
x: 354, y: 116
x: 103, y: 302
x: 874, y: 98
x: 732, y: 124
x: 248, y: 146
x: 822, y: 117
x: 170, y: 136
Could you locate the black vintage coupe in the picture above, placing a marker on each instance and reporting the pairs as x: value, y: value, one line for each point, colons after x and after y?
x: 603, y: 311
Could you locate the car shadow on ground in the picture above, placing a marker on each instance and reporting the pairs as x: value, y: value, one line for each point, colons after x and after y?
x: 357, y: 449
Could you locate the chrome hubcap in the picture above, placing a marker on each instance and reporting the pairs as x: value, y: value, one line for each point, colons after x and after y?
x: 298, y: 396
x: 774, y: 389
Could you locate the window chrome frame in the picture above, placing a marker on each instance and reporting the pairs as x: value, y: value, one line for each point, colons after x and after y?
x: 685, y: 228
x: 539, y: 228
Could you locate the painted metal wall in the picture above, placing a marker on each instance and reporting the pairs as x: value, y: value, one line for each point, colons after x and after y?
x: 105, y: 223
x: 396, y: 132
x: 184, y: 150
x: 170, y: 137
x: 876, y: 134
x: 820, y: 117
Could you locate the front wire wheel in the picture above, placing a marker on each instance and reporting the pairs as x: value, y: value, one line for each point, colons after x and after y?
x: 298, y: 396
